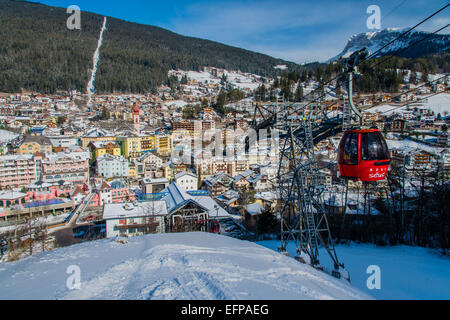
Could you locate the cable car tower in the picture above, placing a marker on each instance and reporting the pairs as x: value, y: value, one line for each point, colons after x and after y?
x: 300, y: 127
x: 303, y: 217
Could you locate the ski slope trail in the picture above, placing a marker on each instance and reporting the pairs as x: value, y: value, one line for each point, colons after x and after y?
x: 91, y: 84
x: 188, y: 266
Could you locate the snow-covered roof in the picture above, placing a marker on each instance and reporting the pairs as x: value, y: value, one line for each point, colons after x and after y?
x: 7, y: 136
x: 16, y: 157
x: 11, y: 195
x: 129, y: 210
x: 183, y: 173
x: 153, y: 181
x: 254, y: 208
x: 75, y: 156
x: 214, y: 210
x: 267, y: 195
x: 407, y: 146
x: 177, y: 197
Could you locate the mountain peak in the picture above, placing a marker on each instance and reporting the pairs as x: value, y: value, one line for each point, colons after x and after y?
x: 375, y: 40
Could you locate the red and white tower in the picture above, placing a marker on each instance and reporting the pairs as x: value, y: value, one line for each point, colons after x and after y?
x: 136, y: 118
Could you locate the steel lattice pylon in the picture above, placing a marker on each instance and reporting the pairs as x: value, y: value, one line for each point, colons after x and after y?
x: 303, y: 217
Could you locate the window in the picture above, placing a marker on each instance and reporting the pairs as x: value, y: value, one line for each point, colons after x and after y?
x: 373, y: 147
x: 350, y: 149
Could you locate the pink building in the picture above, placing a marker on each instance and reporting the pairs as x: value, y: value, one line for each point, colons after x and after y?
x: 70, y: 167
x: 17, y: 171
x: 109, y: 192
x: 9, y: 198
x: 41, y: 191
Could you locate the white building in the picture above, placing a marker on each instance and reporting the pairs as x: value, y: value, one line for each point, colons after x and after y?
x: 150, y: 159
x: 126, y: 219
x: 63, y: 141
x: 260, y: 182
x: 152, y: 166
x: 187, y: 180
x: 109, y: 166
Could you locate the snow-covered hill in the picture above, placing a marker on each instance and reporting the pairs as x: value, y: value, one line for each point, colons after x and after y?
x: 407, y: 273
x: 436, y: 103
x: 375, y: 40
x: 170, y: 266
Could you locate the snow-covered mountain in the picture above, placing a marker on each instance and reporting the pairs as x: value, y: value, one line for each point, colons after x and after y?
x: 436, y: 43
x: 169, y: 266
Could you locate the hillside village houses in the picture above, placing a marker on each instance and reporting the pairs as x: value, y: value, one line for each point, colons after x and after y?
x: 122, y: 152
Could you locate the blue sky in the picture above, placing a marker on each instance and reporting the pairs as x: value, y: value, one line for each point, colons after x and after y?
x: 299, y: 31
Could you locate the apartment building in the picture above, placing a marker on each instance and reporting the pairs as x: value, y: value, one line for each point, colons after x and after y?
x: 187, y: 180
x: 109, y: 166
x: 34, y: 144
x: 17, y: 171
x: 100, y: 148
x: 96, y: 135
x: 130, y: 145
x: 66, y: 166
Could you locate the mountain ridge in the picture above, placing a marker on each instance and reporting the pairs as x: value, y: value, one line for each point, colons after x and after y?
x: 435, y: 43
x: 39, y: 53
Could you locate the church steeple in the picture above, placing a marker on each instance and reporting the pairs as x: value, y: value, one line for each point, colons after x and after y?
x: 136, y: 118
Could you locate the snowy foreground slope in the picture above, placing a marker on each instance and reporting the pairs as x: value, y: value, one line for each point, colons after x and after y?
x: 407, y: 273
x: 170, y: 266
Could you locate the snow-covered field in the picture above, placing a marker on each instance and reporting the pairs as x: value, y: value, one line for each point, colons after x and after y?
x: 407, y: 145
x: 238, y: 79
x: 439, y: 104
x: 169, y: 266
x: 406, y: 272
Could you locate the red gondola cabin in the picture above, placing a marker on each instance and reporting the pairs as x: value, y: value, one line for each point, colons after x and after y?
x: 363, y: 155
x: 214, y: 226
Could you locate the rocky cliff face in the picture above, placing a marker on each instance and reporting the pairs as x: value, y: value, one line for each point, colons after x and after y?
x: 437, y: 43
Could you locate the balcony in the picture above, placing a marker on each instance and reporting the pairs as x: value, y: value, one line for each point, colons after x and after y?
x: 152, y: 226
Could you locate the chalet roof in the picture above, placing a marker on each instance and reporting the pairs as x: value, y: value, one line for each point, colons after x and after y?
x: 77, y: 191
x: 184, y: 173
x: 177, y: 197
x: 129, y: 210
x: 96, y: 132
x: 103, y: 144
x: 41, y: 140
x: 254, y: 208
x: 219, y: 177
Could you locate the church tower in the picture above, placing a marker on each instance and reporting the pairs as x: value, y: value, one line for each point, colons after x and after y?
x: 136, y: 118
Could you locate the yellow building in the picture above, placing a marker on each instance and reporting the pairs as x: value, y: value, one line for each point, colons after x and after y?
x: 130, y: 146
x: 148, y: 143
x: 164, y: 144
x: 168, y: 171
x: 160, y: 143
x: 33, y: 144
x: 96, y: 135
x: 100, y: 148
x: 132, y: 170
x: 85, y: 141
